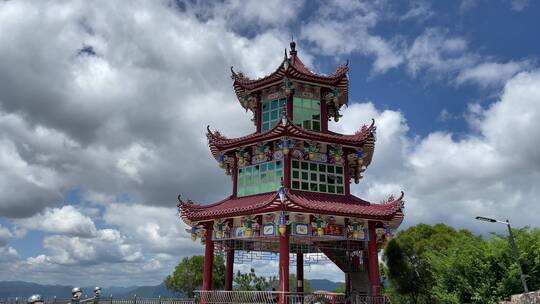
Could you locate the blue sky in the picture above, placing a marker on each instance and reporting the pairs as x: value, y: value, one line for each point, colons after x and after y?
x: 96, y: 145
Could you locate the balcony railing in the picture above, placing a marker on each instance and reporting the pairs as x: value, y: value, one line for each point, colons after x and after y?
x: 105, y: 300
x: 225, y: 297
x: 272, y: 297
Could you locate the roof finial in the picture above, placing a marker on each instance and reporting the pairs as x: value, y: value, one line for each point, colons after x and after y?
x: 293, y: 47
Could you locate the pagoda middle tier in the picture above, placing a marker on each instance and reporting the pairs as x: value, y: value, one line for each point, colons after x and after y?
x: 353, y: 152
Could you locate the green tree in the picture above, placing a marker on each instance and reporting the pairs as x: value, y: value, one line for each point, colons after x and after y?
x: 408, y: 267
x: 251, y: 281
x: 188, y: 275
x: 486, y: 271
x: 438, y: 264
x: 340, y: 288
x: 293, y: 285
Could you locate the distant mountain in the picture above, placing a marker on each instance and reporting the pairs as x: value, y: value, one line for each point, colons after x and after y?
x: 12, y: 289
x: 324, y: 284
x: 152, y: 292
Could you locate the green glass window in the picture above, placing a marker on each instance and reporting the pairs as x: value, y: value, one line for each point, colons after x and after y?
x: 316, y: 177
x: 271, y: 113
x: 307, y: 113
x: 265, y: 177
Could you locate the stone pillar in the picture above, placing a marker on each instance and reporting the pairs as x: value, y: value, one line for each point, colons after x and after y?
x: 373, y: 261
x: 208, y: 259
x: 229, y: 268
x: 300, y: 272
x: 283, y: 267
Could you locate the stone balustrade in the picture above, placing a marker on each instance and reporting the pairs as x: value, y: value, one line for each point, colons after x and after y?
x: 525, y: 298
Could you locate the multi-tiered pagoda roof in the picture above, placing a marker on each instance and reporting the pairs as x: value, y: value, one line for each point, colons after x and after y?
x: 291, y: 181
x: 293, y: 69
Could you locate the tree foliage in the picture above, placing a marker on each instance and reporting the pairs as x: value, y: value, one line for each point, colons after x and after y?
x: 188, y: 275
x: 438, y: 264
x: 251, y: 282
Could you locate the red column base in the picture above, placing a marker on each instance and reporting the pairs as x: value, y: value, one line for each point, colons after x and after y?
x: 375, y: 290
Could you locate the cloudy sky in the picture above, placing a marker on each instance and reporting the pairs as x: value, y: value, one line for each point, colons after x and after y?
x: 104, y: 105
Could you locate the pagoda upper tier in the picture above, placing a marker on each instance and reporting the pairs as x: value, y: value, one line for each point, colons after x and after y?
x: 363, y: 139
x: 289, y: 75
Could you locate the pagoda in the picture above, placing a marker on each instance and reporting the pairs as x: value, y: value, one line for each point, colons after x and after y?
x: 291, y: 181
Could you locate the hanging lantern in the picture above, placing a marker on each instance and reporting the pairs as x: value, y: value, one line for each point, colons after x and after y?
x: 380, y: 231
x: 285, y: 146
x: 337, y: 153
x: 203, y: 241
x: 252, y: 102
x: 245, y: 102
x: 241, y: 155
x: 312, y: 150
x: 282, y: 224
x: 248, y: 227
x: 356, y: 229
x: 389, y: 235
x: 320, y: 224
x: 288, y: 87
x: 312, y: 155
x: 335, y: 98
x: 219, y: 228
x: 261, y: 152
x: 221, y: 161
x: 194, y: 233
x: 359, y: 158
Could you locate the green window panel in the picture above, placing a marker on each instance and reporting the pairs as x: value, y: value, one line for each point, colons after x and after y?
x: 271, y: 113
x: 307, y: 113
x: 261, y: 178
x: 316, y: 177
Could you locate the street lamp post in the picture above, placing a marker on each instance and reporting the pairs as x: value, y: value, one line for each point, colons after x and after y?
x: 512, y: 243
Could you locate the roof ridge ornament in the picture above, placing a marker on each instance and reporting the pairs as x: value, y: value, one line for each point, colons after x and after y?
x: 285, y: 61
x: 292, y: 52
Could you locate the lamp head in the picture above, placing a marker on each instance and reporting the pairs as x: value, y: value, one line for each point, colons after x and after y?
x: 486, y: 219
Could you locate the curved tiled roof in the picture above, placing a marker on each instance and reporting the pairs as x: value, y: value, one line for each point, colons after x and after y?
x: 295, y: 70
x: 298, y: 201
x: 363, y: 137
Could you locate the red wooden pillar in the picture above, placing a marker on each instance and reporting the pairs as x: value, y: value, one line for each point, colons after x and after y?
x: 300, y: 272
x: 347, y: 283
x: 373, y: 261
x: 208, y: 259
x: 283, y: 267
x: 346, y: 173
x: 229, y: 268
x: 324, y: 115
x: 287, y: 172
x: 235, y: 177
x: 258, y: 115
x: 289, y: 107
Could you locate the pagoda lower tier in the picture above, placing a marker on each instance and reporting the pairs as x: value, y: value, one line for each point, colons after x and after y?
x: 349, y: 231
